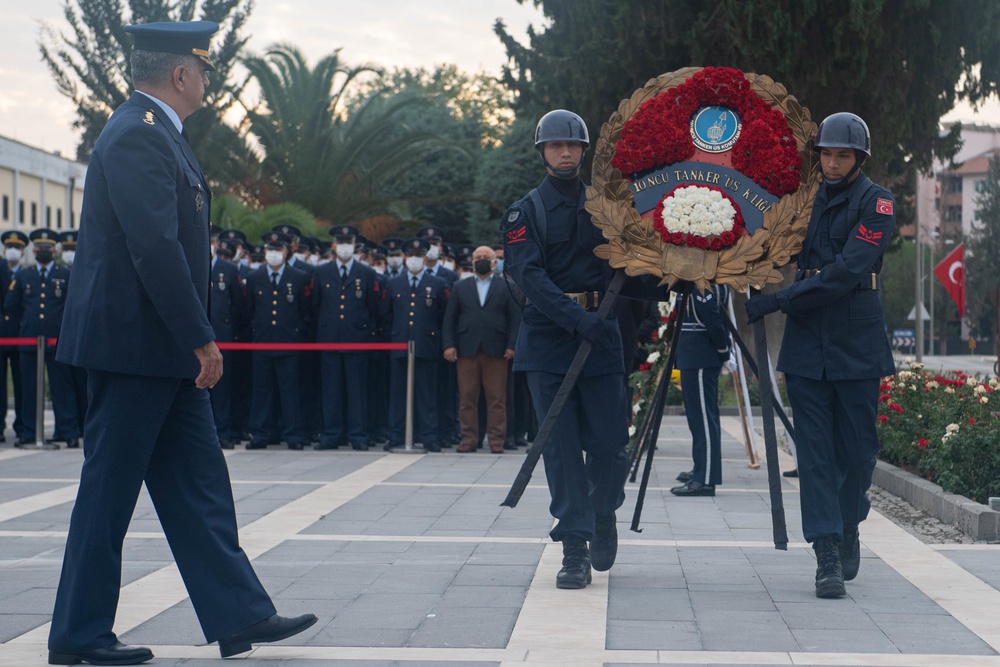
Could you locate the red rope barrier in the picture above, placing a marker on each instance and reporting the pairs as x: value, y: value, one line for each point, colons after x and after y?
x: 335, y: 347
x: 22, y: 342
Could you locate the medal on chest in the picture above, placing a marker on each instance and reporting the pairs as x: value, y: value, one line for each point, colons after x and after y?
x: 290, y: 296
x: 357, y: 288
x: 198, y: 200
x: 430, y: 301
x: 222, y: 282
x: 59, y: 292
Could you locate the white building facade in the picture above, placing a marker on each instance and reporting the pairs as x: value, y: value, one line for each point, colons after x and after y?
x: 38, y: 189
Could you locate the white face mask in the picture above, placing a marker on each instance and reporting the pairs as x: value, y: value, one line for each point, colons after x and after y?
x: 379, y: 270
x: 415, y: 264
x: 395, y: 262
x: 254, y: 266
x: 211, y: 251
x: 13, y: 254
x: 324, y: 261
x: 299, y: 256
x: 274, y: 258
x: 448, y: 264
x: 345, y: 251
x: 314, y: 260
x: 433, y: 253
x: 68, y: 256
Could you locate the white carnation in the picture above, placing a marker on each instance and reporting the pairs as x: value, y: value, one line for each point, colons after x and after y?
x: 700, y: 211
x: 653, y: 357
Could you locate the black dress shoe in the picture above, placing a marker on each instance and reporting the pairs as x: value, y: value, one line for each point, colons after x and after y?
x: 116, y: 654
x: 694, y: 488
x: 794, y: 472
x: 829, y: 573
x: 432, y: 446
x: 684, y: 477
x: 360, y: 446
x: 604, y: 546
x: 321, y: 446
x: 296, y: 446
x: 850, y: 551
x: 391, y: 445
x: 270, y: 629
x: 510, y: 445
x: 225, y: 444
x: 73, y: 443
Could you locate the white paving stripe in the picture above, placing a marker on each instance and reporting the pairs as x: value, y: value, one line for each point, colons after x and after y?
x: 8, y: 454
x: 13, y: 509
x: 155, y: 593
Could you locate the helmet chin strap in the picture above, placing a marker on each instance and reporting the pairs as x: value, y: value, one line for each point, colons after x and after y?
x: 564, y: 174
x: 838, y: 182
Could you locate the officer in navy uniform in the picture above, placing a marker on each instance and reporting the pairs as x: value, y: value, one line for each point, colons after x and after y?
x: 14, y: 243
x: 280, y: 302
x: 349, y: 296
x: 415, y: 311
x: 228, y: 310
x: 310, y: 389
x: 78, y: 375
x: 241, y: 365
x: 702, y: 350
x: 549, y: 255
x: 393, y: 257
x: 379, y: 365
x: 137, y: 319
x: 447, y: 380
x: 36, y: 297
x: 834, y: 350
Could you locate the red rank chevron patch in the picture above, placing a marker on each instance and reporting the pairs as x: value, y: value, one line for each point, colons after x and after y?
x: 867, y: 235
x: 517, y: 235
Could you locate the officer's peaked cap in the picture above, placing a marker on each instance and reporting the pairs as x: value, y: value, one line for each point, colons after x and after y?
x: 431, y: 233
x: 289, y: 230
x: 233, y: 235
x: 68, y: 238
x: 273, y: 238
x: 189, y: 38
x: 393, y: 245
x: 43, y: 236
x: 344, y: 233
x: 14, y: 237
x: 417, y: 246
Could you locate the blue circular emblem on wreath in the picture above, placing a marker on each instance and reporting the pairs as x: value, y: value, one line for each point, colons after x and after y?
x: 715, y: 129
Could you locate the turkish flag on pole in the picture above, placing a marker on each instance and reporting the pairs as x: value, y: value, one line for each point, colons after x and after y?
x: 951, y: 273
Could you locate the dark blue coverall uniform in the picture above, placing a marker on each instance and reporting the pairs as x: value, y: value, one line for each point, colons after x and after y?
x: 348, y: 313
x: 835, y: 351
x: 703, y: 348
x: 416, y: 314
x: 594, y: 420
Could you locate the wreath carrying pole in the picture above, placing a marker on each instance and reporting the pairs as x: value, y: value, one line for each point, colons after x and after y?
x: 655, y: 415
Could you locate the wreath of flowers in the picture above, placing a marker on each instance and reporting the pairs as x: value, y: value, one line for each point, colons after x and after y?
x: 658, y: 134
x: 689, y: 215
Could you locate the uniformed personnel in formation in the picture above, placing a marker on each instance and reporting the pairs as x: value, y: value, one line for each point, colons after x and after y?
x: 834, y: 350
x: 35, y: 298
x: 14, y: 243
x: 229, y: 310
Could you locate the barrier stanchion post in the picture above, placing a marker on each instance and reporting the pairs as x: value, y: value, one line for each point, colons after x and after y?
x: 40, y: 398
x: 411, y: 355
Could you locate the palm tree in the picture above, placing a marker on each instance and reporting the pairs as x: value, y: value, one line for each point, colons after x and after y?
x: 319, y: 153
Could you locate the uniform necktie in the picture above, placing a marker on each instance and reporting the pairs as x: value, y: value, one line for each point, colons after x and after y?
x: 42, y: 273
x: 414, y: 282
x: 274, y: 279
x: 343, y: 274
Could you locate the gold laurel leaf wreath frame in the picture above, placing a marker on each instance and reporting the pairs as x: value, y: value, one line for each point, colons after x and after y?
x: 753, y: 261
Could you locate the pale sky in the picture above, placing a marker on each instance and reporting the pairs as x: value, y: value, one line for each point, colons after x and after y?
x: 391, y: 33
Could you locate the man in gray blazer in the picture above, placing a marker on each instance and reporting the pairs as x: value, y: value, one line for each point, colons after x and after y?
x: 479, y: 332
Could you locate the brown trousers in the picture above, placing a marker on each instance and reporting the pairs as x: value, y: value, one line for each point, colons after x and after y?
x: 490, y: 373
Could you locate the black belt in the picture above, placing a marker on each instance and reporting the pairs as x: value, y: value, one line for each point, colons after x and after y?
x: 588, y: 300
x: 871, y: 281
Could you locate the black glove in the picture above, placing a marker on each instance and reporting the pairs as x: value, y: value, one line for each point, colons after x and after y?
x: 760, y: 305
x: 590, y: 326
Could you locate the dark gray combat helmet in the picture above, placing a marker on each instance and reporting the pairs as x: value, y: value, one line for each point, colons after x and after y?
x: 561, y: 125
x: 844, y: 130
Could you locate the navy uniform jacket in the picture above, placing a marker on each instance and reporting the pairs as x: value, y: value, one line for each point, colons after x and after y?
x: 491, y: 327
x: 9, y: 327
x: 835, y: 329
x: 279, y: 316
x: 347, y: 314
x: 417, y: 316
x: 444, y: 274
x: 38, y: 307
x: 704, y: 342
x: 142, y: 263
x: 228, y: 301
x: 547, y: 340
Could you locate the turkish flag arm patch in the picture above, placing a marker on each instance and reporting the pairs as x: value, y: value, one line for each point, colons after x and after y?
x: 517, y: 235
x: 884, y: 206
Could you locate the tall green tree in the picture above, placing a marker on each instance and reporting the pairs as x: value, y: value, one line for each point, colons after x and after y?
x: 318, y: 153
x: 90, y: 63
x: 900, y: 64
x: 982, y: 248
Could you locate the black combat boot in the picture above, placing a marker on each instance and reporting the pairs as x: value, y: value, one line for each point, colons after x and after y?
x: 829, y: 574
x: 604, y: 546
x: 850, y: 551
x: 575, y: 572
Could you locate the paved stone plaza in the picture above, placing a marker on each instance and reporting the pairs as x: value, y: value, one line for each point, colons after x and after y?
x: 408, y: 560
